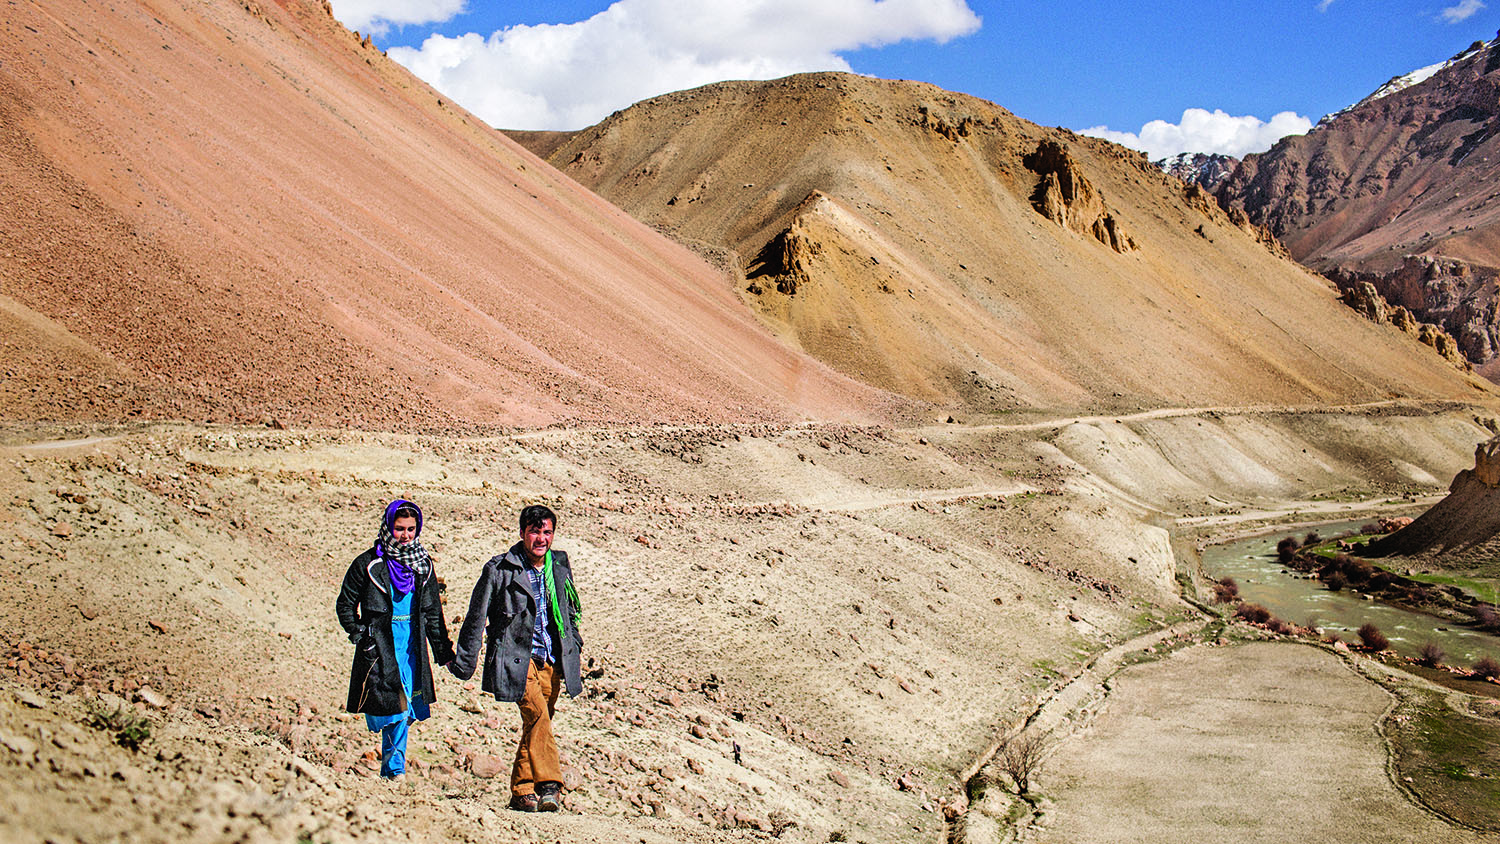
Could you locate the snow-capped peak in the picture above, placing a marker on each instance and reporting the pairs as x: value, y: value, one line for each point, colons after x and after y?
x: 1416, y: 77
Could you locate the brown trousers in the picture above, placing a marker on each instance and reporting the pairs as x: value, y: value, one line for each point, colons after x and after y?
x: 536, y: 756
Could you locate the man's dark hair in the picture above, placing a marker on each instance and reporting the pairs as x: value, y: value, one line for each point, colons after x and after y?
x: 534, y: 515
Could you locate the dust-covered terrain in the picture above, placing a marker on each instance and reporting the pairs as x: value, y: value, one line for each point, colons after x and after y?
x: 862, y: 612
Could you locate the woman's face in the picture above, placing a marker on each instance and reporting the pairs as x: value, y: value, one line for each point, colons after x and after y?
x: 404, y: 529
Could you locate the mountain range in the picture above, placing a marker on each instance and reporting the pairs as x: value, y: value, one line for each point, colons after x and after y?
x: 938, y: 247
x: 1398, y: 191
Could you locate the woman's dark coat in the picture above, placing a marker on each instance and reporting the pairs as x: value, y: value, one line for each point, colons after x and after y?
x: 502, y: 612
x: 364, y: 609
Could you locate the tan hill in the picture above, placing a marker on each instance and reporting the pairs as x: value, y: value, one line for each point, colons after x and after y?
x: 935, y: 245
x: 232, y: 211
x: 1398, y: 191
x: 1462, y: 530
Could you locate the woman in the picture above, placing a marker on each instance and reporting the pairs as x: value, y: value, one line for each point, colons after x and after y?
x: 389, y: 606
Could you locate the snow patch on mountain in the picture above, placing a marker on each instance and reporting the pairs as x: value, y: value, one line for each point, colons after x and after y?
x: 1416, y: 77
x: 1206, y: 170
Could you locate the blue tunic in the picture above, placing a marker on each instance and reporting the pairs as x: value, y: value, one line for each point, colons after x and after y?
x: 406, y: 656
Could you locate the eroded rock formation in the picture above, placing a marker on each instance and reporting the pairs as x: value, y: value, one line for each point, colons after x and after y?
x: 1465, y: 526
x: 1398, y: 190
x: 1459, y: 297
x: 1366, y: 299
x: 786, y: 260
x: 1065, y: 197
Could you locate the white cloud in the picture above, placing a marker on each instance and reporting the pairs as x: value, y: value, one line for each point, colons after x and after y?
x: 1203, y: 131
x: 1462, y: 12
x: 1324, y: 4
x: 377, y: 16
x: 567, y: 76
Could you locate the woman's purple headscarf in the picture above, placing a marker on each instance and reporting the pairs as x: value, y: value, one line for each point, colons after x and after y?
x: 409, y: 562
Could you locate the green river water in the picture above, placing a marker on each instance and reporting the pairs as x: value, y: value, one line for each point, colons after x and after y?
x: 1303, y: 600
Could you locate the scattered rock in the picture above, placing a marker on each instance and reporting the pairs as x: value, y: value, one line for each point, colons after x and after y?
x: 487, y: 766
x: 62, y: 529
x: 151, y: 697
x: 18, y: 744
x: 31, y: 699
x: 839, y: 778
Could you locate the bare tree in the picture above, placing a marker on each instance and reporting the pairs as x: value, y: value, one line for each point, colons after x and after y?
x: 1020, y: 757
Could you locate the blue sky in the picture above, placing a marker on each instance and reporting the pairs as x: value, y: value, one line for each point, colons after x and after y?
x: 1088, y: 65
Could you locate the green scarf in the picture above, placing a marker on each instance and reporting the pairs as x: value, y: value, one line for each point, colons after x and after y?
x: 552, y: 604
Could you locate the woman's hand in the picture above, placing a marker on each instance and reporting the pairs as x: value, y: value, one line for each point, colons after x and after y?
x: 367, y: 646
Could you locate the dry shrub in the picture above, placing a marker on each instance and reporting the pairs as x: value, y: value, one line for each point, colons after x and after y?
x: 1335, y: 580
x: 1353, y: 568
x: 1370, y: 529
x: 1278, y: 626
x: 1430, y: 655
x: 1372, y: 638
x: 1487, y: 668
x: 1286, y: 549
x: 1020, y: 757
x: 1226, y: 590
x: 1311, y: 539
x: 1486, y: 618
x: 1253, y: 613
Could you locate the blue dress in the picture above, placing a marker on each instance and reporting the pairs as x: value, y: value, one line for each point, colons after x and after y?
x: 393, y: 727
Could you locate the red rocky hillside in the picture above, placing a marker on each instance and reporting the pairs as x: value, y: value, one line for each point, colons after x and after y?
x: 240, y: 212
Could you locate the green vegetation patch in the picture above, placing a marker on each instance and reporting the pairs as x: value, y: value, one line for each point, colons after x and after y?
x: 1330, y: 548
x: 1452, y: 760
x: 1485, y: 589
x: 128, y: 727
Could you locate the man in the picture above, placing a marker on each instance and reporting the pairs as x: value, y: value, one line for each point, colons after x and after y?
x: 525, y: 603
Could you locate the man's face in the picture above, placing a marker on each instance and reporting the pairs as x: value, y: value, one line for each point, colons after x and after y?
x: 536, y: 539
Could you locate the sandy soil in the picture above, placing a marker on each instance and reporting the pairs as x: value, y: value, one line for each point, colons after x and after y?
x: 862, y: 610
x: 1258, y: 742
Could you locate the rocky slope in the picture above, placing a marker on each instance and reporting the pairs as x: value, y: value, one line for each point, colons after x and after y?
x: 1398, y: 191
x: 1207, y: 171
x: 859, y: 611
x: 935, y: 245
x: 240, y: 211
x: 1463, y: 530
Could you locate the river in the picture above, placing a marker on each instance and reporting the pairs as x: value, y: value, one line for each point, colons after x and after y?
x: 1300, y: 599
